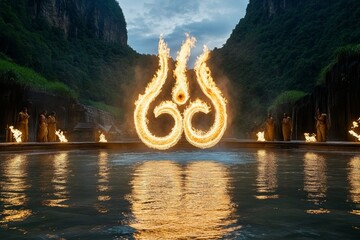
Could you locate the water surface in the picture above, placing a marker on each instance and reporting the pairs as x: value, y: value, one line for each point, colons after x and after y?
x: 245, y: 194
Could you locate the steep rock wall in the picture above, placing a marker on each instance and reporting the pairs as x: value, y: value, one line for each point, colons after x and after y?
x: 77, y: 18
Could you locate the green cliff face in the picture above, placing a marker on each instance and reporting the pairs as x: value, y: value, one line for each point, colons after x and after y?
x: 282, y: 45
x: 82, y: 44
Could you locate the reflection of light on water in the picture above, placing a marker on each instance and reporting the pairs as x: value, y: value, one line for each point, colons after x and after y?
x: 13, y: 187
x: 59, y: 182
x: 315, y: 181
x: 354, y: 181
x: 103, y: 183
x: 266, y: 180
x: 170, y: 201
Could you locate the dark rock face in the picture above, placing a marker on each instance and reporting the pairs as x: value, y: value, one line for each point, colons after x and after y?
x: 270, y: 8
x: 339, y: 99
x: 78, y: 18
x: 69, y: 112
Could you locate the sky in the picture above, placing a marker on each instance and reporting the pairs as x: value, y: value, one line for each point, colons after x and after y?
x: 209, y: 21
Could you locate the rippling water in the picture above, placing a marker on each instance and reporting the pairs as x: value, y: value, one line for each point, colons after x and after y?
x: 247, y: 194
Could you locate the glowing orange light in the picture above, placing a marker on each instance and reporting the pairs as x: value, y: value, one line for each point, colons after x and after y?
x: 260, y: 136
x: 16, y: 133
x: 102, y: 138
x: 180, y: 95
x: 196, y: 137
x: 61, y: 136
x: 354, y: 126
x: 310, y: 138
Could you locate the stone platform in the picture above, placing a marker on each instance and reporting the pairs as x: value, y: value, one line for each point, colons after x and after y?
x: 131, y: 145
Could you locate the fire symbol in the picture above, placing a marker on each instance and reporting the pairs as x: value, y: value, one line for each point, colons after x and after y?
x: 180, y: 95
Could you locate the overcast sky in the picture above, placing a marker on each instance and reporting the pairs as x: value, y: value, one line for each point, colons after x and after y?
x: 209, y: 21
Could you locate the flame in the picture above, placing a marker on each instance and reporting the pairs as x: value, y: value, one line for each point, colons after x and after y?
x: 61, y: 136
x: 196, y: 137
x: 102, y: 138
x: 16, y: 133
x: 309, y: 138
x: 180, y: 95
x: 261, y: 136
x: 180, y: 92
x: 354, y: 126
x: 152, y: 90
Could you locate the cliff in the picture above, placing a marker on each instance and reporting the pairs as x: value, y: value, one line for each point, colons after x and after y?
x: 57, y: 54
x: 338, y: 97
x: 281, y: 46
x: 102, y: 19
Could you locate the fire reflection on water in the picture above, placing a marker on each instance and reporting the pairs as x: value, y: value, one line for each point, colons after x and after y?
x: 59, y: 182
x: 103, y: 183
x: 266, y: 180
x: 14, y: 186
x: 354, y: 182
x: 315, y: 181
x: 174, y: 201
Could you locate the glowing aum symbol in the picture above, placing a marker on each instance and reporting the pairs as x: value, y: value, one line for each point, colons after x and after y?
x: 180, y: 95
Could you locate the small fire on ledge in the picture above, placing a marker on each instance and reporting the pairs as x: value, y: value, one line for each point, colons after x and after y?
x: 61, y: 136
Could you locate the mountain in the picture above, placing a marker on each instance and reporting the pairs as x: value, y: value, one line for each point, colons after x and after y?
x: 278, y: 50
x: 78, y: 43
x: 68, y: 56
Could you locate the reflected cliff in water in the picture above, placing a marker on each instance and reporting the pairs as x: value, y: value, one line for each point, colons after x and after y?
x: 170, y: 200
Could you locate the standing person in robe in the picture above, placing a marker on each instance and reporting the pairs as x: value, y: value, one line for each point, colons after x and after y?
x: 51, y: 121
x: 286, y: 127
x: 269, y: 128
x: 42, y: 128
x: 23, y: 124
x: 321, y: 126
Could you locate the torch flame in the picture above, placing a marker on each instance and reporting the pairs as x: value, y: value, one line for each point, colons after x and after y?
x: 102, y: 138
x: 310, y: 138
x: 180, y: 95
x: 61, y: 135
x: 261, y: 136
x: 352, y: 131
x: 16, y: 133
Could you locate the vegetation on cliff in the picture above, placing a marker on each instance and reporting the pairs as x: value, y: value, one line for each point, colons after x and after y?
x: 94, y: 69
x: 281, y: 46
x: 11, y: 73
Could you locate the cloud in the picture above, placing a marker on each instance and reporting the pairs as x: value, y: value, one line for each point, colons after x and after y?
x: 210, y: 22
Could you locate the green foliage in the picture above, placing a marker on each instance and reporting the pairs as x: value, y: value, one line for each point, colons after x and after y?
x: 94, y: 69
x: 270, y: 54
x: 30, y: 79
x: 287, y: 97
x: 115, y: 111
x: 341, y: 54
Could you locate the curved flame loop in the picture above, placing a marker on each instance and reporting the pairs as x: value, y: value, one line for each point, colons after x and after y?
x: 208, y: 87
x: 142, y: 106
